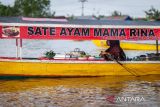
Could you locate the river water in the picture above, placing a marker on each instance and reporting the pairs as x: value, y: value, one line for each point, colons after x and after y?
x: 110, y: 91
x: 81, y: 92
x: 37, y: 48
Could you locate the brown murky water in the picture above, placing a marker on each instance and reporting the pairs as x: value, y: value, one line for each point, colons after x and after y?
x: 81, y: 92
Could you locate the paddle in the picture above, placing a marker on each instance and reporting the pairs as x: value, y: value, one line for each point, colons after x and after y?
x: 119, y: 63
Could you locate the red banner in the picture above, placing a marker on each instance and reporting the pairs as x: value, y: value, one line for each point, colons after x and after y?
x: 68, y: 33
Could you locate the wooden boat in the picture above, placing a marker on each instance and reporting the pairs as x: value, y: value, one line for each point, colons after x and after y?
x: 78, y: 30
x: 63, y: 68
x: 128, y: 45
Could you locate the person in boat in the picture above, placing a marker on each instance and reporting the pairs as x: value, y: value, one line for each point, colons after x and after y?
x: 114, y: 52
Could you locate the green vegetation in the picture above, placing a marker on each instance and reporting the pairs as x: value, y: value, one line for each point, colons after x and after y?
x: 50, y: 54
x: 6, y: 10
x: 28, y: 8
x: 152, y: 13
x: 116, y: 13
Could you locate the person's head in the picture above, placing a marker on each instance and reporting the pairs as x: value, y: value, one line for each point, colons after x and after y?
x: 113, y: 43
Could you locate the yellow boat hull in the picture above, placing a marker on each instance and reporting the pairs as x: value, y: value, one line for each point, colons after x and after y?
x: 127, y: 45
x: 77, y: 68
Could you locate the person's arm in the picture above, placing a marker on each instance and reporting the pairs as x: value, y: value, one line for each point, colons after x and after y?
x: 123, y: 55
x: 104, y: 53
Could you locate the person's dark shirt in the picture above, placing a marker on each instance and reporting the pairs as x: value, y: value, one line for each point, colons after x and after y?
x: 115, y: 50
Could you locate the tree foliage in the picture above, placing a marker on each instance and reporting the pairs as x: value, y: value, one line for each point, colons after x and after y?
x: 153, y: 13
x: 6, y: 10
x: 28, y: 8
x: 116, y: 13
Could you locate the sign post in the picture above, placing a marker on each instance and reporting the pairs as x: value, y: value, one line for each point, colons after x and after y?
x: 157, y: 51
x: 20, y: 51
x: 17, y: 49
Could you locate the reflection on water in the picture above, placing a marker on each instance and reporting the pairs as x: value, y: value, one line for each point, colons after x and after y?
x: 79, y: 92
x: 34, y: 48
